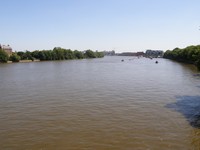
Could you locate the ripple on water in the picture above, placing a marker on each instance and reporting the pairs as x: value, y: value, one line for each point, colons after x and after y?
x: 98, y: 104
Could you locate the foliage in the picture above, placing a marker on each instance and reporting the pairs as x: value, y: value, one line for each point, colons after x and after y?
x: 90, y: 54
x: 58, y: 54
x: 3, y: 56
x: 21, y: 55
x: 198, y: 64
x: 99, y: 54
x: 78, y: 54
x: 190, y: 54
x: 14, y: 57
x: 25, y: 55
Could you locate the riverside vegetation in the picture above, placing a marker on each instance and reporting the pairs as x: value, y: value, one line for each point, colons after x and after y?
x: 55, y: 54
x: 190, y: 54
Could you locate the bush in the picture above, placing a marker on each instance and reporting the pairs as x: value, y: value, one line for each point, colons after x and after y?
x: 78, y: 54
x: 14, y: 58
x: 198, y: 64
x: 3, y: 56
x: 190, y: 54
x: 90, y: 54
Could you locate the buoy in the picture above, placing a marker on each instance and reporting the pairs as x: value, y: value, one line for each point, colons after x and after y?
x: 156, y: 62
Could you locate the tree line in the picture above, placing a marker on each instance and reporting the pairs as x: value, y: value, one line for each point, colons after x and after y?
x: 190, y: 54
x: 55, y: 54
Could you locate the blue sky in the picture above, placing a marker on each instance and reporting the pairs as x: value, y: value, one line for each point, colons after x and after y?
x: 120, y: 25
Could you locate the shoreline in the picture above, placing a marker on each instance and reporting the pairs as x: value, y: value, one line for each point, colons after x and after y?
x: 22, y: 61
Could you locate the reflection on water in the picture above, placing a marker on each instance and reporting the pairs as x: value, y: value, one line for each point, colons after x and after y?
x: 189, y: 106
x: 101, y: 104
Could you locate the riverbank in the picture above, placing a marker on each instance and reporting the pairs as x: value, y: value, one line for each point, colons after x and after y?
x: 190, y: 54
x: 26, y: 61
x: 48, y: 55
x: 22, y: 61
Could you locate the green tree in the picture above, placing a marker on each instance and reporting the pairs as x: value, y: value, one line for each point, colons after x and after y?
x: 190, y: 54
x: 99, y: 54
x: 35, y: 54
x: 41, y: 55
x: 3, y: 56
x: 14, y: 58
x: 57, y: 53
x: 22, y: 55
x: 28, y: 55
x: 198, y: 64
x: 78, y: 54
x: 90, y: 54
x: 47, y: 54
x: 60, y: 55
x: 69, y: 54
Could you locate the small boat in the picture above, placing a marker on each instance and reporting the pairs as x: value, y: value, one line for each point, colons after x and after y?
x: 122, y: 60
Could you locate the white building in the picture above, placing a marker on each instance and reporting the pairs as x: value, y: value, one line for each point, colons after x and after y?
x: 154, y: 53
x: 7, y: 49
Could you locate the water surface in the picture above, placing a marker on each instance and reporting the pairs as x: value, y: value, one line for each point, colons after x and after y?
x: 99, y: 104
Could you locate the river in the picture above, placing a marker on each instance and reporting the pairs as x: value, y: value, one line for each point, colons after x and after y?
x: 100, y: 104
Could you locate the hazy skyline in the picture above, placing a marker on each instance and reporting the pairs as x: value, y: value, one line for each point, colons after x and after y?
x: 120, y: 25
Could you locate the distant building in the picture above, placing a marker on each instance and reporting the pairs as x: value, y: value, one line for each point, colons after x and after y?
x: 154, y: 53
x: 140, y: 53
x: 127, y: 54
x: 137, y: 54
x: 7, y: 49
x: 109, y: 53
